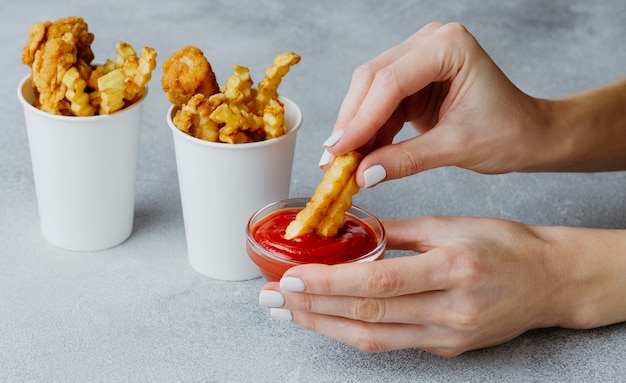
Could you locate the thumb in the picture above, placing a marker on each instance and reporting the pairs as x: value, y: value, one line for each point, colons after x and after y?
x: 424, y: 152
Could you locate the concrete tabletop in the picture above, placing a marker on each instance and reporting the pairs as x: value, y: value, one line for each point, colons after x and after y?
x: 139, y: 312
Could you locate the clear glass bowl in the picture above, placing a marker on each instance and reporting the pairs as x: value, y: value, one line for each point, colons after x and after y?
x: 272, y: 265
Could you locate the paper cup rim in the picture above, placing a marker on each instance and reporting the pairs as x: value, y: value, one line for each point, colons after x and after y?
x: 26, y: 82
x: 243, y: 146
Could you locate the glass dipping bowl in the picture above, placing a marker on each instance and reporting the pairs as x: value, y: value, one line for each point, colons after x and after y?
x: 273, y: 264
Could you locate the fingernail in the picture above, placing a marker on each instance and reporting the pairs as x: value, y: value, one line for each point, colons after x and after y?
x: 374, y: 175
x: 291, y: 284
x: 271, y: 298
x: 326, y: 158
x: 334, y: 138
x: 281, y: 314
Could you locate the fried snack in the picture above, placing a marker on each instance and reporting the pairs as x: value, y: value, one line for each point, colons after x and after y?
x: 324, y: 213
x: 53, y: 48
x: 111, y: 88
x: 274, y: 119
x: 138, y: 72
x: 187, y: 73
x: 193, y: 118
x: 41, y: 32
x: 48, y: 68
x: 273, y: 76
x: 59, y: 55
x: 238, y: 125
x: 76, y: 94
x: 238, y: 87
x: 234, y: 114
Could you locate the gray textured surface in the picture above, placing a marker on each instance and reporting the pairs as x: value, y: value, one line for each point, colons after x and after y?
x: 138, y: 312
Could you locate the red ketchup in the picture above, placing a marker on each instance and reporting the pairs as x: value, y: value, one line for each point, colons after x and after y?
x: 354, y: 240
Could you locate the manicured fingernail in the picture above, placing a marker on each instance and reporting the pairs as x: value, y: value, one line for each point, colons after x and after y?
x: 271, y: 298
x: 374, y: 175
x: 334, y: 138
x: 326, y: 158
x: 281, y: 314
x: 291, y: 284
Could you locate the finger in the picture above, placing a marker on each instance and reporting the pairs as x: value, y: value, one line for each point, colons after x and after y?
x: 384, y: 278
x: 430, y: 150
x: 430, y: 60
x: 378, y: 337
x: 364, y: 336
x: 424, y: 308
x: 364, y: 74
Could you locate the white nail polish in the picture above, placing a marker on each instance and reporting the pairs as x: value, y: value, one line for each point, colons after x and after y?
x: 281, y: 314
x: 374, y: 175
x: 291, y: 284
x: 271, y: 298
x: 334, y: 138
x: 326, y: 158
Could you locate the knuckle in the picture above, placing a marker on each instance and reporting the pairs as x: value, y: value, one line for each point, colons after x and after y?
x: 368, y: 342
x: 465, y: 267
x: 369, y: 310
x: 467, y: 319
x: 454, y: 30
x: 382, y: 282
x: 306, y: 303
x: 432, y: 26
x: 364, y: 72
x: 410, y: 162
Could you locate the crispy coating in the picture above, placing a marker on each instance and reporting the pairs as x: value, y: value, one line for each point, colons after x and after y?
x: 76, y: 94
x: 41, y: 32
x: 235, y: 114
x: 138, y: 72
x: 194, y: 117
x: 51, y: 62
x: 111, y: 87
x: 65, y: 82
x: 52, y: 49
x: 274, y: 119
x: 273, y: 76
x: 325, y: 212
x: 187, y: 73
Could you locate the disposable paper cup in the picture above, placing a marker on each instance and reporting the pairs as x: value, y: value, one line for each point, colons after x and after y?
x: 84, y: 170
x: 221, y: 185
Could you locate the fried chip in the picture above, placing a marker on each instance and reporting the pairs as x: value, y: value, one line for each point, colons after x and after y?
x: 111, y: 87
x: 324, y: 214
x: 273, y: 77
x: 193, y: 118
x: 274, y: 119
x: 76, y: 94
x: 233, y: 114
x: 138, y: 72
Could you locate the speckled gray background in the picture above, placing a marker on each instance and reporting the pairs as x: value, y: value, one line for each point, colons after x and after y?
x: 138, y: 312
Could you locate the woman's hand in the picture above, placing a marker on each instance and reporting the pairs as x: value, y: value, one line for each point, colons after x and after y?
x: 468, y: 114
x: 477, y: 282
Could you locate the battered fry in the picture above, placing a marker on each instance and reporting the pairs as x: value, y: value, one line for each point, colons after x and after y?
x: 324, y: 213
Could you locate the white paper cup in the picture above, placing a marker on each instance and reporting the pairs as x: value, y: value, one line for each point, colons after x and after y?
x: 84, y: 170
x: 222, y: 185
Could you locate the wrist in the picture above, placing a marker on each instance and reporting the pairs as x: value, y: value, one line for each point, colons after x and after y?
x: 584, y: 131
x: 588, y: 269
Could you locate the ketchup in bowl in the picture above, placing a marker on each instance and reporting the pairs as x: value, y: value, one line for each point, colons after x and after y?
x: 361, y: 239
